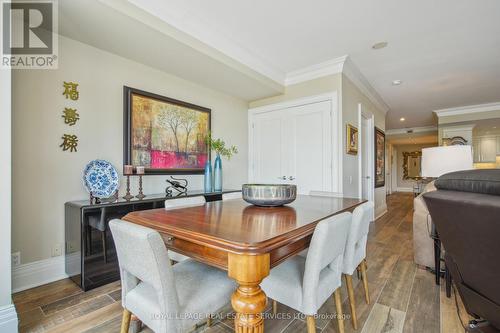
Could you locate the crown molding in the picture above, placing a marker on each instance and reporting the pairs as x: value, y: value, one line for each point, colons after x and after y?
x: 354, y: 74
x: 468, y: 109
x: 423, y: 129
x: 330, y: 67
x: 338, y: 65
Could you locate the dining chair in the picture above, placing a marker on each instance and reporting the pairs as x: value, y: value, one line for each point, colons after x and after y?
x: 355, y: 253
x: 164, y: 297
x: 177, y: 203
x: 305, y: 284
x: 231, y: 195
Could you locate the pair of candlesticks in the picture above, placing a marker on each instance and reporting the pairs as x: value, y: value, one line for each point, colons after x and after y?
x: 128, y: 170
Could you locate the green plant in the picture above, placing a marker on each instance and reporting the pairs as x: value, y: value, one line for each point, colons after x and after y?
x: 219, y: 146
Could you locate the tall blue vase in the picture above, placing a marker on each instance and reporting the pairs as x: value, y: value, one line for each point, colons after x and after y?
x: 218, y: 174
x: 208, y: 177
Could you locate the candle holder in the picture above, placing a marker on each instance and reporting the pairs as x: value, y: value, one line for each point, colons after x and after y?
x: 141, y: 195
x: 128, y: 196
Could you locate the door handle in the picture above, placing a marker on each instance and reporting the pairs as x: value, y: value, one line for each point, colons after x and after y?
x: 282, y: 177
x: 291, y: 178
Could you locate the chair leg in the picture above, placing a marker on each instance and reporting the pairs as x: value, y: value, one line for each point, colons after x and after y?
x: 103, y: 236
x: 365, y: 281
x: 311, y: 324
x: 340, y: 313
x: 352, y: 301
x: 125, y: 321
x: 275, y: 307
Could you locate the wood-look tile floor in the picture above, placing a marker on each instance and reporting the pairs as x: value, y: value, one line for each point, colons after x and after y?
x: 404, y: 297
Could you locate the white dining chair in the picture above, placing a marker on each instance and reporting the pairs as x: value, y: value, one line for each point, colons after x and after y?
x: 231, y: 196
x: 164, y: 297
x: 182, y: 203
x: 305, y: 284
x: 355, y: 253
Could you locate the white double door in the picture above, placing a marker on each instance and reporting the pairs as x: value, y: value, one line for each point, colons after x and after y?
x: 293, y: 146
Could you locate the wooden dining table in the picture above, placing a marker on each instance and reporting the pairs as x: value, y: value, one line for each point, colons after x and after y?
x: 243, y: 239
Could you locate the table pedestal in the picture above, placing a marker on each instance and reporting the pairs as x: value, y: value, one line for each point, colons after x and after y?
x: 248, y: 301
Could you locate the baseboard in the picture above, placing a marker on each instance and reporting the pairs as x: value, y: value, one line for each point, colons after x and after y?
x: 8, y: 319
x: 404, y: 189
x: 37, y: 273
x: 380, y: 211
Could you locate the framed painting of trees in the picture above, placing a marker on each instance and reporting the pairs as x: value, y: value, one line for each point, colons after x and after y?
x: 164, y: 135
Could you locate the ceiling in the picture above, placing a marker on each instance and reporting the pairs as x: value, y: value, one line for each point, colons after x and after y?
x: 124, y: 29
x: 447, y: 52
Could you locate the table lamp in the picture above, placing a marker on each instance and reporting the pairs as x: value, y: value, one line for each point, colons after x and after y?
x: 437, y: 161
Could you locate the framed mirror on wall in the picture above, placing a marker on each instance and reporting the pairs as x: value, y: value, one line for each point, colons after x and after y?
x: 412, y: 165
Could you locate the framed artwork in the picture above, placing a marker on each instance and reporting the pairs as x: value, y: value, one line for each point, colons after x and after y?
x: 164, y: 135
x: 352, y: 140
x: 379, y: 158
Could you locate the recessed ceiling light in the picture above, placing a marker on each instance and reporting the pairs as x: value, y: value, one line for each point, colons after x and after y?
x: 396, y: 82
x: 379, y: 45
x: 402, y: 119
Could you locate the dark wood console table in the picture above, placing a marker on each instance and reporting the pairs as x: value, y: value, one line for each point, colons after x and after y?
x: 90, y: 258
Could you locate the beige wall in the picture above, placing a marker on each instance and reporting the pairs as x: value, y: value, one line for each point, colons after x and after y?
x: 408, y: 183
x: 44, y: 177
x: 351, y: 97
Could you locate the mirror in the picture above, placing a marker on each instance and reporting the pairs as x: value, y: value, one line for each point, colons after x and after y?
x: 412, y: 165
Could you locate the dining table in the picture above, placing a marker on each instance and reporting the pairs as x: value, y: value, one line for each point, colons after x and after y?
x: 243, y: 239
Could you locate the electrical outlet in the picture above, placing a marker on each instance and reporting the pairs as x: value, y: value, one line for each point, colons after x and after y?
x: 57, y: 250
x: 16, y: 259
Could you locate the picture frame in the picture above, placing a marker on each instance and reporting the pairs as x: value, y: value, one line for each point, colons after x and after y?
x: 379, y: 158
x: 165, y: 135
x: 352, y: 140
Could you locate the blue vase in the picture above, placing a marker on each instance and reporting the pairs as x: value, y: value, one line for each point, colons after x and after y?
x: 218, y: 174
x: 208, y: 177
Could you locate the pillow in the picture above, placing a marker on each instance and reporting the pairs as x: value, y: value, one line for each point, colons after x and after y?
x: 476, y: 181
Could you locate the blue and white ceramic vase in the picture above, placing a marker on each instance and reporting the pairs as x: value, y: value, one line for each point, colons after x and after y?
x: 208, y: 176
x: 218, y: 174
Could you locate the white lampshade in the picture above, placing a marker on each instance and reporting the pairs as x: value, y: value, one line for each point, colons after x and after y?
x: 437, y: 161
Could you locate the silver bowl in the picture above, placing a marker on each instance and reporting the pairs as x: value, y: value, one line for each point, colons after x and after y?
x: 269, y: 195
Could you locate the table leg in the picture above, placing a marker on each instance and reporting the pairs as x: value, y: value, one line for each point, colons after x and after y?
x: 437, y: 260
x: 248, y: 301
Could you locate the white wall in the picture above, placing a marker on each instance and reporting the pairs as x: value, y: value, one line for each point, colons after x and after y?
x: 8, y: 317
x: 45, y: 177
x: 351, y: 97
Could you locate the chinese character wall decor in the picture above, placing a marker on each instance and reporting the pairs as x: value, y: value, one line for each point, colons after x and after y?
x: 70, y: 142
x: 70, y: 116
x: 71, y: 90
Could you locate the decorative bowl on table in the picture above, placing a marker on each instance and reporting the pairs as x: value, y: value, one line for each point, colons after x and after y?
x: 269, y: 195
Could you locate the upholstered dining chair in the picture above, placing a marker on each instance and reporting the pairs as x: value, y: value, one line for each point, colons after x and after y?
x: 182, y: 203
x: 164, y: 297
x: 355, y: 253
x: 231, y: 195
x: 305, y: 284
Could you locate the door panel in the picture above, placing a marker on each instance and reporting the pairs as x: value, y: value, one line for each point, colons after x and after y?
x: 310, y: 147
x: 268, y: 148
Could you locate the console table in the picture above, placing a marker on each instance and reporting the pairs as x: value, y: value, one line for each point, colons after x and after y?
x: 90, y: 257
